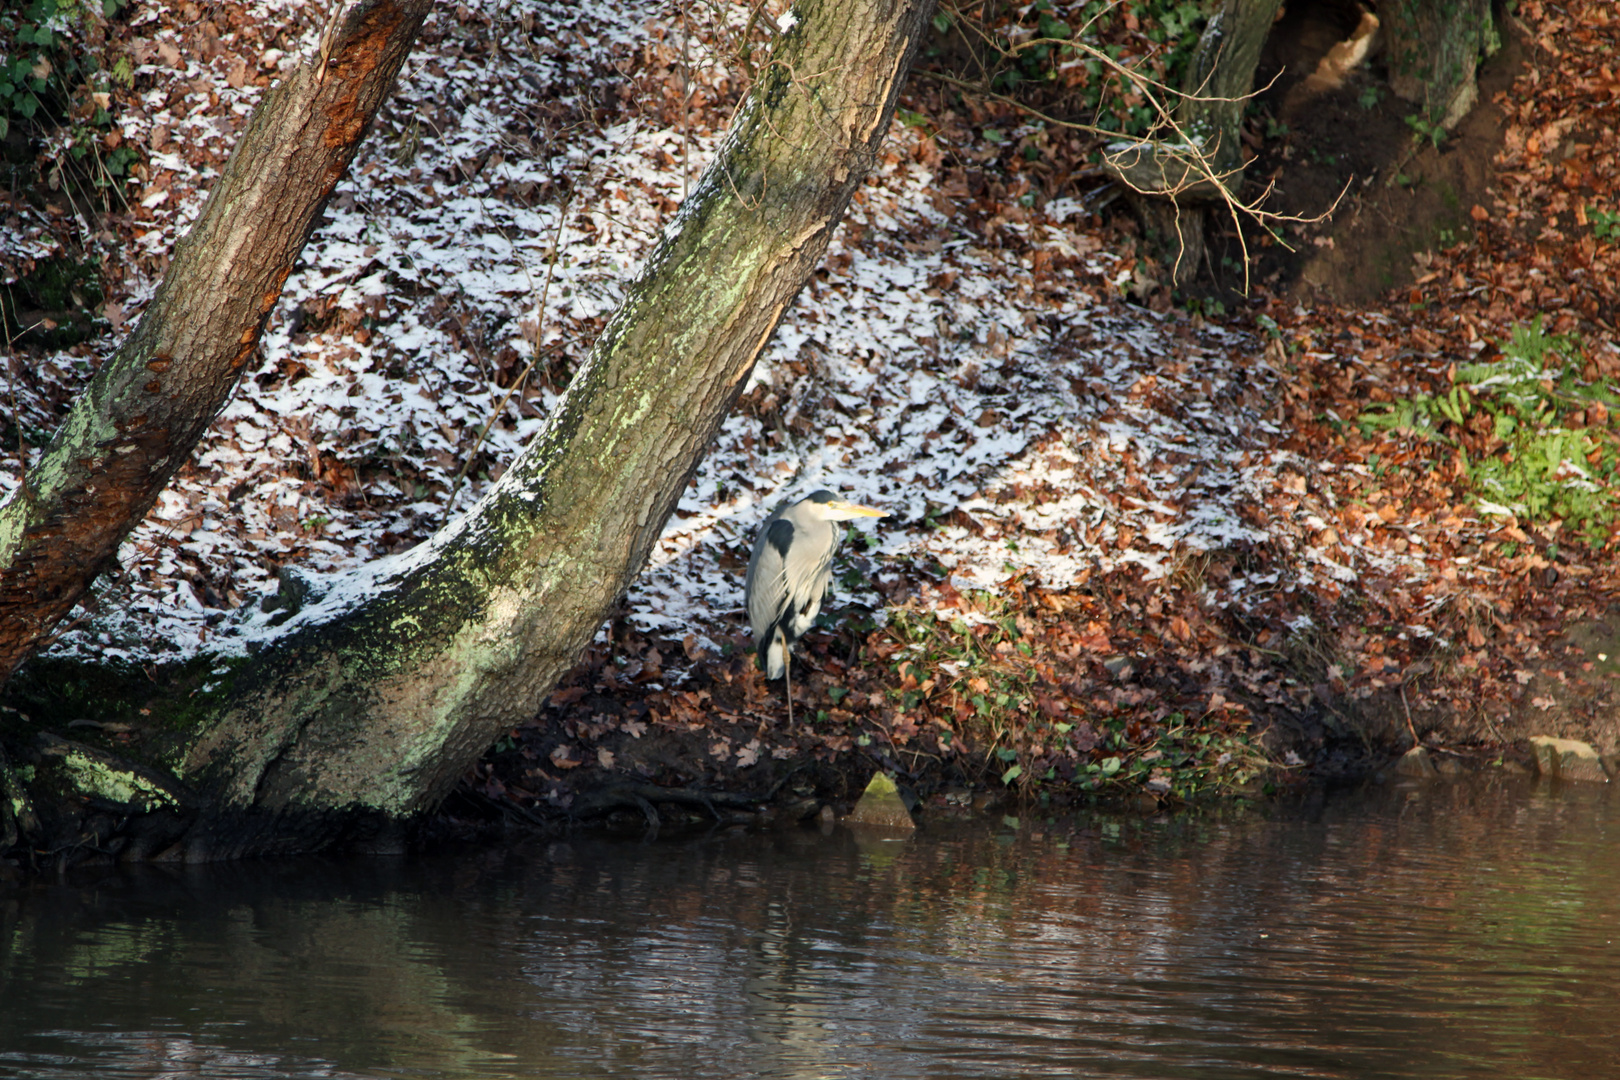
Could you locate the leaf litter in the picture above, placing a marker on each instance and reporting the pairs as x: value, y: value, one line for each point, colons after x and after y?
x: 1129, y: 550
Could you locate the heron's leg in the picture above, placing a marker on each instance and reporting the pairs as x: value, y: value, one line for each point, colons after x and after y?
x: 787, y: 678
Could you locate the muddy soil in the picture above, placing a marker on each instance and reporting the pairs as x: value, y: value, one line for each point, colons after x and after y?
x: 1374, y: 197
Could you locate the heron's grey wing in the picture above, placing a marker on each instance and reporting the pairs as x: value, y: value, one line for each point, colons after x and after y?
x: 766, y: 589
x: 807, y: 572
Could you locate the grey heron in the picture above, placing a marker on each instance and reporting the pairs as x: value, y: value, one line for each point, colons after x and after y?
x: 788, y: 575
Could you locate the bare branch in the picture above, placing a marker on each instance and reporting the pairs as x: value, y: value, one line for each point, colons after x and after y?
x: 1169, y: 161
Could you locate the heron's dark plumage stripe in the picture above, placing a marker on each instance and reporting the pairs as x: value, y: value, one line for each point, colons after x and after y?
x: 780, y: 535
x: 785, y: 624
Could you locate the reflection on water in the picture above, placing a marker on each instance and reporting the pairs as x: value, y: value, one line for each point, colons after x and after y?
x: 1438, y: 932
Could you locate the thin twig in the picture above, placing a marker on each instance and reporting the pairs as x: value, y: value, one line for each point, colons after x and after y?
x: 539, y: 327
x: 1408, y: 709
x: 686, y: 98
x: 11, y: 381
x: 746, y: 53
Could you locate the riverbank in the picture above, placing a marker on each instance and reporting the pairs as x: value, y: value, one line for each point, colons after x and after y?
x: 1143, y: 545
x: 1421, y: 509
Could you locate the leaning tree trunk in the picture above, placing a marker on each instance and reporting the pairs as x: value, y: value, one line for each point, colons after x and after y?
x: 377, y: 698
x: 138, y: 419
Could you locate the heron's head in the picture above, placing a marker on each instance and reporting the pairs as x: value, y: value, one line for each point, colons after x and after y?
x: 831, y: 508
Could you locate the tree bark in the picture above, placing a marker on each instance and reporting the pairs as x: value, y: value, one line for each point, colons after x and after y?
x: 377, y: 698
x: 1170, y: 180
x: 1434, y: 48
x: 1220, y: 78
x: 139, y: 417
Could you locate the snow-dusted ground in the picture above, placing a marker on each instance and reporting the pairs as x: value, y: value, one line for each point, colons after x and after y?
x: 985, y: 386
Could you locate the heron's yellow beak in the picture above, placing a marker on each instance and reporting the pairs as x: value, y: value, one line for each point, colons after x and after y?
x: 857, y: 510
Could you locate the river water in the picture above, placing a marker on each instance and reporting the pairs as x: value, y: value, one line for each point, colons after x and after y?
x: 1444, y: 931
